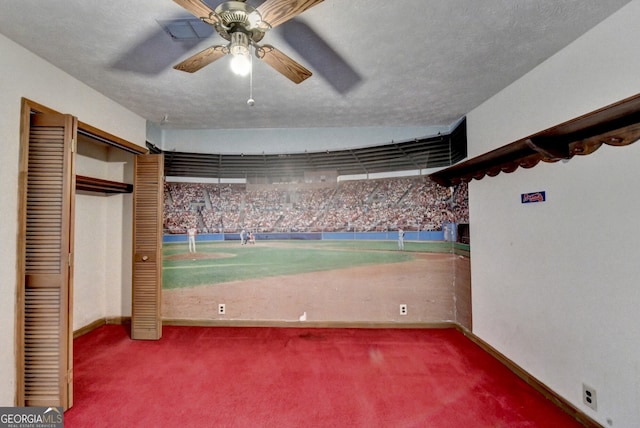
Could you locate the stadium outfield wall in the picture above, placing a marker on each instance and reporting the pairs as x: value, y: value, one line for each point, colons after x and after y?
x: 447, y: 234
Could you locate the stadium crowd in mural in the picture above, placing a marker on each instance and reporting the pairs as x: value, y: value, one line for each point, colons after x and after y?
x: 410, y: 203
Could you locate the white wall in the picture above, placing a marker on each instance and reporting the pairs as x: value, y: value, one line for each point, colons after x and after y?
x: 25, y: 75
x: 89, y: 248
x: 102, y: 273
x: 118, y: 235
x: 555, y: 284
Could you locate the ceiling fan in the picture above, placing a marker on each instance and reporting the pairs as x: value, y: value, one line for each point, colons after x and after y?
x: 244, y: 26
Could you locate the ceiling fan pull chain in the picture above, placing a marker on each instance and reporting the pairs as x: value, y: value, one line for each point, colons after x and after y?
x: 251, y: 101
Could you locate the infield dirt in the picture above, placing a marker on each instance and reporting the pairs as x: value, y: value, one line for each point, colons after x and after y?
x: 366, y: 294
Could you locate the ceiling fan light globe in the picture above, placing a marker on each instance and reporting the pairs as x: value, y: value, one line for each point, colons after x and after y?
x: 239, y: 44
x: 241, y: 64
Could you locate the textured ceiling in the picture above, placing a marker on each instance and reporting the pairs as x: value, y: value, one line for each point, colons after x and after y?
x: 374, y: 63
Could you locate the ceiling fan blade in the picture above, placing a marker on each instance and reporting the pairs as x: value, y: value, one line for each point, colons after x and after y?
x: 282, y: 63
x: 202, y: 59
x: 275, y: 12
x: 198, y: 9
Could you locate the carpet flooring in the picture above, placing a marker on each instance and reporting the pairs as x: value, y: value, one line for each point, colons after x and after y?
x: 293, y: 377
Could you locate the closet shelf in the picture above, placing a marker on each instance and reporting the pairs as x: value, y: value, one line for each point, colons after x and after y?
x: 97, y: 185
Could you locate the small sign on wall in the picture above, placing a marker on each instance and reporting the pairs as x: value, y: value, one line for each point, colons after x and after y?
x: 528, y: 198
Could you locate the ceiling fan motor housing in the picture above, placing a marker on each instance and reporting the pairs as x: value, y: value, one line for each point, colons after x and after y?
x: 236, y: 16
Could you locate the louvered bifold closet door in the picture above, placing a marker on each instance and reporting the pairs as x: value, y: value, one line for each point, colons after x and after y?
x: 146, y: 317
x: 46, y: 329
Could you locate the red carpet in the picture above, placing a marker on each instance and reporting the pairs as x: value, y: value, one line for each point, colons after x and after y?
x: 277, y: 377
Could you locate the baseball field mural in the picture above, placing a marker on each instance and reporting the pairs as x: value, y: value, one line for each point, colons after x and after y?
x: 251, y: 261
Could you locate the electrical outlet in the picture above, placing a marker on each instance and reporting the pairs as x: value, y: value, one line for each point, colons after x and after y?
x: 403, y: 309
x: 589, y: 396
x: 221, y: 309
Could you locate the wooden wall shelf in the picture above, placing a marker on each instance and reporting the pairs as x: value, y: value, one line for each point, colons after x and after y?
x: 97, y: 185
x: 615, y: 125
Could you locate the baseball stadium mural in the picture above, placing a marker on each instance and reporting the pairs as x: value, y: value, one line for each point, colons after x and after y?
x: 308, y: 250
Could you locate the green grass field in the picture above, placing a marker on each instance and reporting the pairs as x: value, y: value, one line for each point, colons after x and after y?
x: 218, y: 262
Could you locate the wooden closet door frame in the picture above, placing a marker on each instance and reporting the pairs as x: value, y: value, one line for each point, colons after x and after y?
x: 28, y: 108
